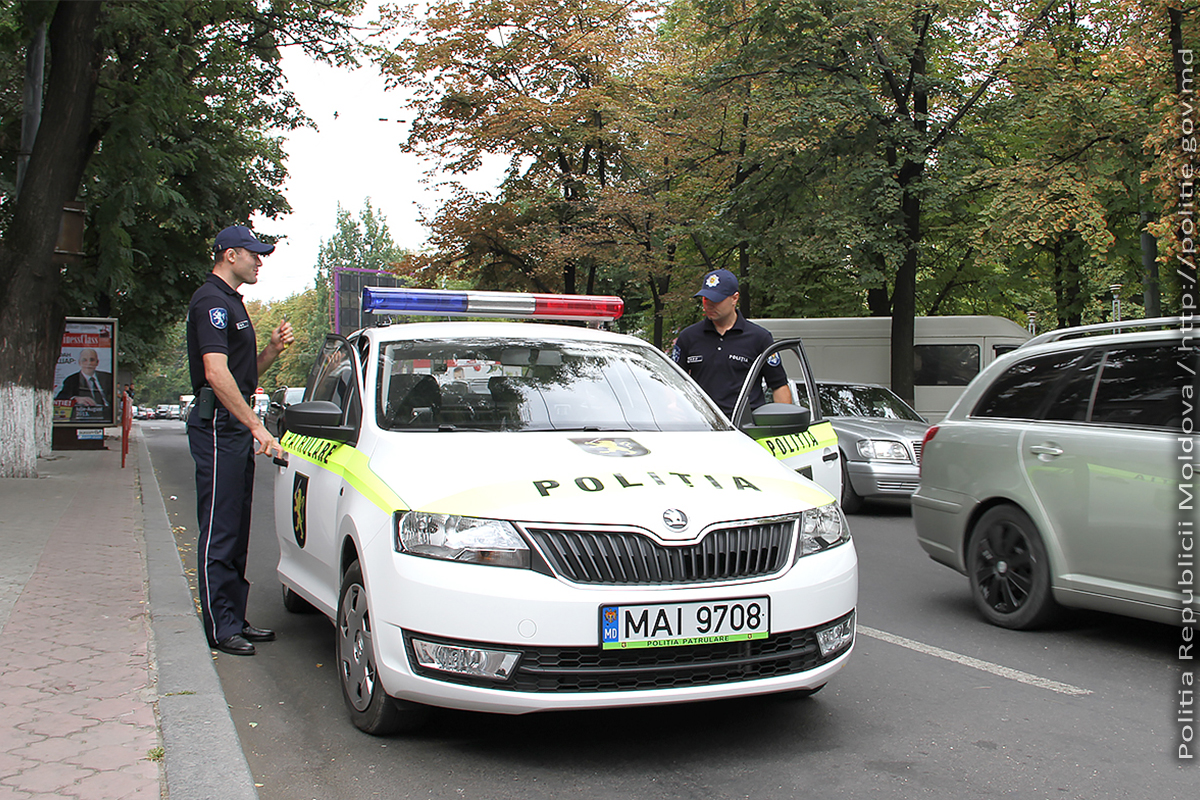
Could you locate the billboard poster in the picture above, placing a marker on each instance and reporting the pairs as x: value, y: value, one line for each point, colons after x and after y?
x: 85, y: 391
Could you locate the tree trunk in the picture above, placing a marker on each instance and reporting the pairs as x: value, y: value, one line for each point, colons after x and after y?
x: 904, y: 296
x: 30, y: 311
x: 1151, y: 293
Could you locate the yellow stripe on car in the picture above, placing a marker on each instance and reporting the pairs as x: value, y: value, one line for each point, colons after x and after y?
x: 348, y: 462
x: 816, y: 437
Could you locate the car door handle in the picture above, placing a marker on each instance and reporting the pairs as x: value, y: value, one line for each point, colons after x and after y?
x: 830, y: 456
x: 1046, y: 451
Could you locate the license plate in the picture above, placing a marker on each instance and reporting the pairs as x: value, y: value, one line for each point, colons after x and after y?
x: 705, y: 622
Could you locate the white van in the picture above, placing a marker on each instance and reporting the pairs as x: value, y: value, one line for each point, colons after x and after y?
x: 948, y: 351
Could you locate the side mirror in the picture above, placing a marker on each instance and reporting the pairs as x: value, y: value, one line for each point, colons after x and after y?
x: 778, y: 419
x: 319, y: 418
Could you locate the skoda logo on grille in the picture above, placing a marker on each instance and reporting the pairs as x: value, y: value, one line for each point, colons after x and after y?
x: 675, y: 519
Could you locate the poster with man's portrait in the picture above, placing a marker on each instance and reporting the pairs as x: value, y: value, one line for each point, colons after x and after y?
x: 84, y: 387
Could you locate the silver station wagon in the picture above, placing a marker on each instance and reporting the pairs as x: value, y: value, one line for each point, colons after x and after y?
x: 1056, y: 479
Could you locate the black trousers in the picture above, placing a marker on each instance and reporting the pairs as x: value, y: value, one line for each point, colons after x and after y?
x: 223, y: 450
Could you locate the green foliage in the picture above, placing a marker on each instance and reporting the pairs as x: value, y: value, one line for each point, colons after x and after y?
x: 187, y: 121
x: 165, y: 376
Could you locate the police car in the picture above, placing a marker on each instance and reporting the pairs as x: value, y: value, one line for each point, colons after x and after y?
x: 511, y: 516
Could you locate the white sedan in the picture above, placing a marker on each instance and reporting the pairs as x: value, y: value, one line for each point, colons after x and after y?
x: 514, y: 517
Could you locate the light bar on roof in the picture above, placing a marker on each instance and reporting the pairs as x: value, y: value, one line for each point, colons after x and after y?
x: 449, y: 303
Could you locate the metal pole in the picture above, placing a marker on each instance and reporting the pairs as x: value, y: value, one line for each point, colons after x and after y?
x: 1116, y: 303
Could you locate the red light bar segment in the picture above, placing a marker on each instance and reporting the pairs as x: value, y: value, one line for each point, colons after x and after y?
x: 576, y: 306
x: 512, y: 305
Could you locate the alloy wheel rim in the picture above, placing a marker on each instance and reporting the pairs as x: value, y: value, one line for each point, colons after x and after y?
x: 1005, y: 568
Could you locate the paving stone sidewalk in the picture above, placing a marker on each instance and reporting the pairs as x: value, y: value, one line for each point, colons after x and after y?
x: 102, y: 695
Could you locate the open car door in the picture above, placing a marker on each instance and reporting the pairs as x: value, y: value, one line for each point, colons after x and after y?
x: 811, y: 448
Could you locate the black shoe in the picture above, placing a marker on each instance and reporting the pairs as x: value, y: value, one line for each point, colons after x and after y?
x: 236, y: 646
x: 253, y: 634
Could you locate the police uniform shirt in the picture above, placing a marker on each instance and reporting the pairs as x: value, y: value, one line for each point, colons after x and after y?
x: 720, y: 362
x: 217, y: 322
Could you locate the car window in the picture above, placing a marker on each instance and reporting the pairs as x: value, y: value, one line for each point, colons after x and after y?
x: 1074, y: 399
x: 332, y: 379
x: 945, y: 364
x: 846, y: 400
x: 486, y: 384
x: 1140, y: 386
x: 1022, y: 389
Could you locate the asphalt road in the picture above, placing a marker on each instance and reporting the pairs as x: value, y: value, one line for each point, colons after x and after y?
x: 933, y: 703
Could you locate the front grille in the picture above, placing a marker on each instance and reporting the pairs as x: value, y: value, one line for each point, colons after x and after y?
x: 629, y: 558
x: 593, y: 669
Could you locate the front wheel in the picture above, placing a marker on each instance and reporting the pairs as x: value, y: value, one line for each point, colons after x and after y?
x: 851, y: 500
x: 370, y: 708
x: 1010, y: 571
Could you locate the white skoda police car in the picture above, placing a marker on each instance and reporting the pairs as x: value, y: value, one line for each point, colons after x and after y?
x: 514, y: 517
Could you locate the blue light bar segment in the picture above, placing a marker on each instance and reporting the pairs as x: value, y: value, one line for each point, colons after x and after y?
x: 512, y: 305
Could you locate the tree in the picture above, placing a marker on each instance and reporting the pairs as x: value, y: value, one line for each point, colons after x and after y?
x: 362, y: 244
x: 157, y: 115
x: 874, y: 93
x: 542, y: 85
x: 1064, y: 199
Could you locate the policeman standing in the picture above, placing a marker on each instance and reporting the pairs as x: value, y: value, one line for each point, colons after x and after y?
x: 719, y: 350
x: 225, y: 434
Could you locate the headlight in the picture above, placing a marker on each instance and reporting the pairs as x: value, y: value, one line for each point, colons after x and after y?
x: 454, y: 538
x: 822, y: 528
x: 883, y: 450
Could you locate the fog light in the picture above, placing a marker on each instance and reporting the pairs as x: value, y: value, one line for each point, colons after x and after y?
x: 836, y: 637
x: 476, y: 662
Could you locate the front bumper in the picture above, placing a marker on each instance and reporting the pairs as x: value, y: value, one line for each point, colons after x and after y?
x: 555, y: 626
x: 878, y: 479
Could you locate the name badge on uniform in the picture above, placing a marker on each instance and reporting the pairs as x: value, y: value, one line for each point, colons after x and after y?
x: 695, y: 359
x: 241, y: 326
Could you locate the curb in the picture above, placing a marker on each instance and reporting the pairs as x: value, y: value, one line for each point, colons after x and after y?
x: 203, y: 754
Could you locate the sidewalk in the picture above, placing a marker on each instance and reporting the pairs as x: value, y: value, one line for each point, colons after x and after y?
x: 107, y: 687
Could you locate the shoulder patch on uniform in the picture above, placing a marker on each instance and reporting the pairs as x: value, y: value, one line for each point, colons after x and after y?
x: 219, y: 318
x: 773, y: 359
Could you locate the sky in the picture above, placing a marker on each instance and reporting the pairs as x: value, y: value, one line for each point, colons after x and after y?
x: 354, y: 154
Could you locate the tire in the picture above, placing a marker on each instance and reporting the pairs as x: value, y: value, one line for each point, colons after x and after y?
x: 371, y: 710
x: 295, y: 603
x: 1010, y: 571
x: 851, y: 500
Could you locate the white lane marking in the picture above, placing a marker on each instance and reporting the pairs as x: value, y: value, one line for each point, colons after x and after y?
x: 986, y: 666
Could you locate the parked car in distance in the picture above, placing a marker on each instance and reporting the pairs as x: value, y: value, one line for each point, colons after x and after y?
x: 1054, y: 480
x: 879, y: 436
x: 281, y: 398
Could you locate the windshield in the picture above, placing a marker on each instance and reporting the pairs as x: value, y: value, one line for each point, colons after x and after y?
x: 482, y: 384
x: 846, y: 400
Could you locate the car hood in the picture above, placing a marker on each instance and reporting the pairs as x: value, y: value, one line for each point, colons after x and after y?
x: 591, y: 479
x: 874, y: 427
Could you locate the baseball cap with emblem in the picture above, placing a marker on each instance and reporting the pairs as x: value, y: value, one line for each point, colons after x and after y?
x: 240, y: 236
x: 718, y: 285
